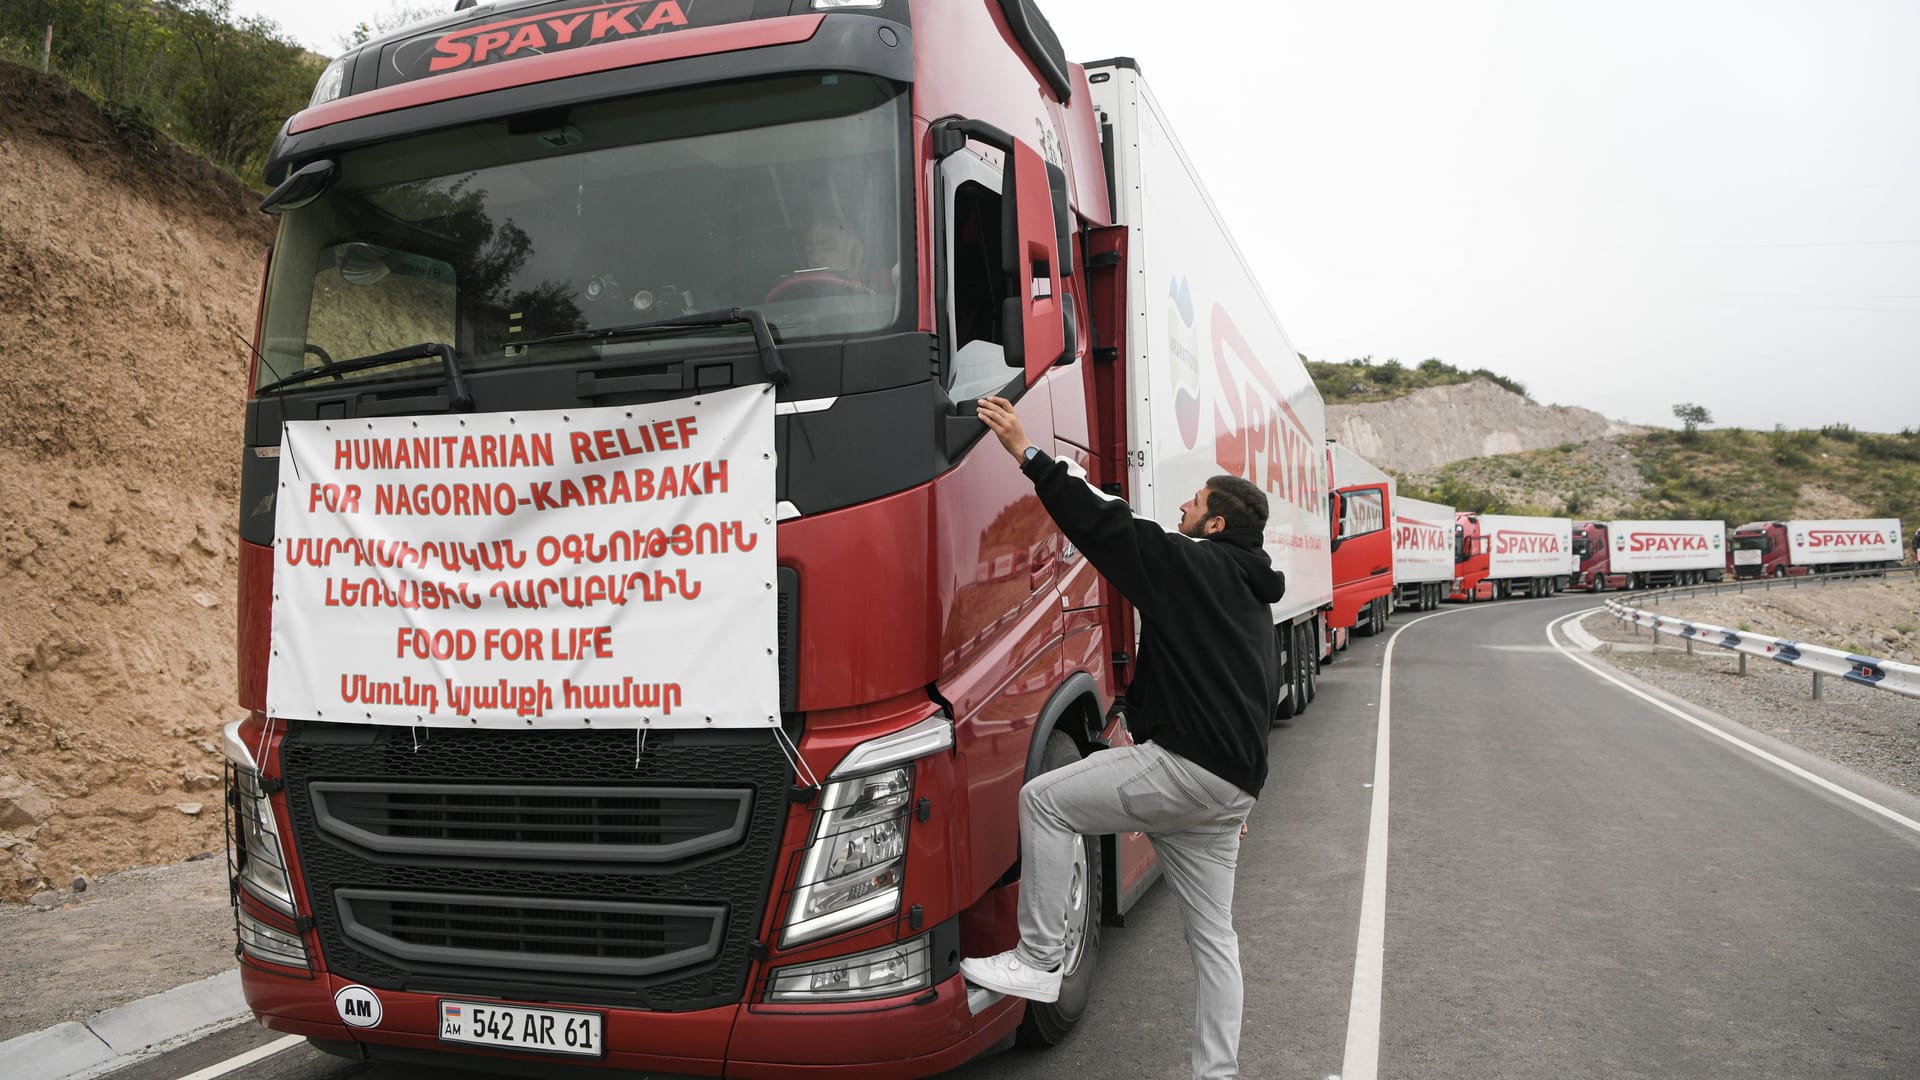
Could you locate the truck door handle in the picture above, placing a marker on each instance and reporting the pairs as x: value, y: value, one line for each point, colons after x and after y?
x: 1379, y: 570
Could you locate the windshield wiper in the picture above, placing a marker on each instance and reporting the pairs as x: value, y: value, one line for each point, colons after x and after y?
x: 770, y: 362
x: 459, y: 399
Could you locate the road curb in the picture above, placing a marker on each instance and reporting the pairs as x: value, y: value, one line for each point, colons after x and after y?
x: 1581, y: 639
x: 118, y: 1035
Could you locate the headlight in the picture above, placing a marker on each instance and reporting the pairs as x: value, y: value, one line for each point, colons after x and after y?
x: 254, y: 858
x: 851, y: 874
x: 896, y: 969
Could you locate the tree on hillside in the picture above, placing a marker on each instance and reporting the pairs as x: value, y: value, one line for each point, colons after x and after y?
x: 1692, y: 416
x: 191, y: 68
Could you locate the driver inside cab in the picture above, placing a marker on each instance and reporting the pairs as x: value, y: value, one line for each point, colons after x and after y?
x: 832, y: 260
x: 832, y: 246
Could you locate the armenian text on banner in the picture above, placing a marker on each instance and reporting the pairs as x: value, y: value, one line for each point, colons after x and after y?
x: 607, y: 567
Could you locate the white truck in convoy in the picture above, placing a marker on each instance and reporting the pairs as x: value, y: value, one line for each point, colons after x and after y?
x: 1826, y: 546
x: 1500, y: 555
x: 1422, y: 553
x: 1212, y: 383
x: 1638, y: 554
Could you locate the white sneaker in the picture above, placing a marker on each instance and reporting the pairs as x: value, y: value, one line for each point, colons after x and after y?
x: 1010, y: 975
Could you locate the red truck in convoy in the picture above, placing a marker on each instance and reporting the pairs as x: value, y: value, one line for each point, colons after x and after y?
x: 643, y: 650
x: 1638, y: 554
x: 1361, y: 508
x: 1498, y: 555
x: 1827, y: 546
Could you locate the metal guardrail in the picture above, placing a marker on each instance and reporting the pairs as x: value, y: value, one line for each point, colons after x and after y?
x: 1741, y: 585
x: 1903, y: 679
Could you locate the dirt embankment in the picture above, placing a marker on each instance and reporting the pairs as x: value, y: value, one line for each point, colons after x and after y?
x: 1440, y: 424
x: 126, y: 271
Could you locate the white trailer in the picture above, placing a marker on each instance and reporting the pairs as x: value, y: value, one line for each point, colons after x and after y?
x: 1422, y: 553
x: 1643, y: 553
x: 1214, y: 385
x: 1350, y: 469
x: 1830, y: 541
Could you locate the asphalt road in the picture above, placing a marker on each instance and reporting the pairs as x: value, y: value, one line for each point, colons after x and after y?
x: 1577, y: 883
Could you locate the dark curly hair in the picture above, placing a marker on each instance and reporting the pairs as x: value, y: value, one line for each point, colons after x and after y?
x: 1237, y: 502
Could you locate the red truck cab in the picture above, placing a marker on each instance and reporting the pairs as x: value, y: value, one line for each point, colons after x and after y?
x: 550, y: 206
x: 1590, y: 548
x: 1471, y: 560
x: 1360, y: 505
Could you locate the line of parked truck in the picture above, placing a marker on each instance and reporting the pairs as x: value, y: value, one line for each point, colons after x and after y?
x: 1392, y: 553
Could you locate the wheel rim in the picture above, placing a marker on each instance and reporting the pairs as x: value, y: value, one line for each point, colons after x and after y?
x: 1077, y: 910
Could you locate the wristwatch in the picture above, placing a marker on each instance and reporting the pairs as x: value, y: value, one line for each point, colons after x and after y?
x: 1029, y: 454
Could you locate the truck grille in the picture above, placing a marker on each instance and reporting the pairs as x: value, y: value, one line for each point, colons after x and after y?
x: 607, y: 824
x: 607, y: 937
x: 555, y: 865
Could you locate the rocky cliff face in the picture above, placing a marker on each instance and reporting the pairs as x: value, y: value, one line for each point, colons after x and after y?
x: 1447, y: 423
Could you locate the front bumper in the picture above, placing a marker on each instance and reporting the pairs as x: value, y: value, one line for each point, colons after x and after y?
x: 889, y: 1039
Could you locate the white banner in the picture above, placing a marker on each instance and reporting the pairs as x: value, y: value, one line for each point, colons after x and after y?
x: 608, y: 567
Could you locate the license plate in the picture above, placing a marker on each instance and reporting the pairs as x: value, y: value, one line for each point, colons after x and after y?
x: 513, y: 1027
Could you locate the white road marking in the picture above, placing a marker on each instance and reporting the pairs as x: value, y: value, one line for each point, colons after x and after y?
x: 1773, y: 759
x: 222, y: 1068
x: 1369, y: 955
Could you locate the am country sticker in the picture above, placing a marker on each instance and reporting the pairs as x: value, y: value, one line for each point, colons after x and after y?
x: 357, y: 1006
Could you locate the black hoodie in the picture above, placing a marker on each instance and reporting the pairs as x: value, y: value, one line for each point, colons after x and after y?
x: 1208, y: 674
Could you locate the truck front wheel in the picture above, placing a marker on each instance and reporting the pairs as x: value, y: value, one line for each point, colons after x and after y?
x: 1046, y: 1023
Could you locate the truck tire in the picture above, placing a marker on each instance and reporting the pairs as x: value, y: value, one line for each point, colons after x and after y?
x: 1311, y: 634
x: 1302, y: 669
x: 1286, y: 638
x: 1046, y: 1023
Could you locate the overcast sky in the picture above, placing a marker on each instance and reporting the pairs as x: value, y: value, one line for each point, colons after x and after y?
x: 1622, y: 205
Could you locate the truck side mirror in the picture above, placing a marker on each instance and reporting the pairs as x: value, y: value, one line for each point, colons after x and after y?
x: 1032, y: 318
x: 1333, y: 520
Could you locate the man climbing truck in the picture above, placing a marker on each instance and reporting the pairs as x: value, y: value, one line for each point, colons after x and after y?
x: 643, y: 650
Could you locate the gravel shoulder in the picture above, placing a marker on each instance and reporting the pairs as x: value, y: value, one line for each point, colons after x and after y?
x: 1872, y: 732
x: 127, y: 936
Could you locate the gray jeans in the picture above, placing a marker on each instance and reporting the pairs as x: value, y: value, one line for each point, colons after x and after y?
x: 1193, y: 818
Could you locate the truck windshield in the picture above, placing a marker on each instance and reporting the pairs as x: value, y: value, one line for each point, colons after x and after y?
x: 1751, y: 543
x: 781, y: 195
x: 1580, y: 545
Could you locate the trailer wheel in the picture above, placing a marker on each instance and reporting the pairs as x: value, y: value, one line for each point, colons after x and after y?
x: 1302, y: 669
x: 1311, y: 632
x: 1047, y: 1023
x: 1286, y: 640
